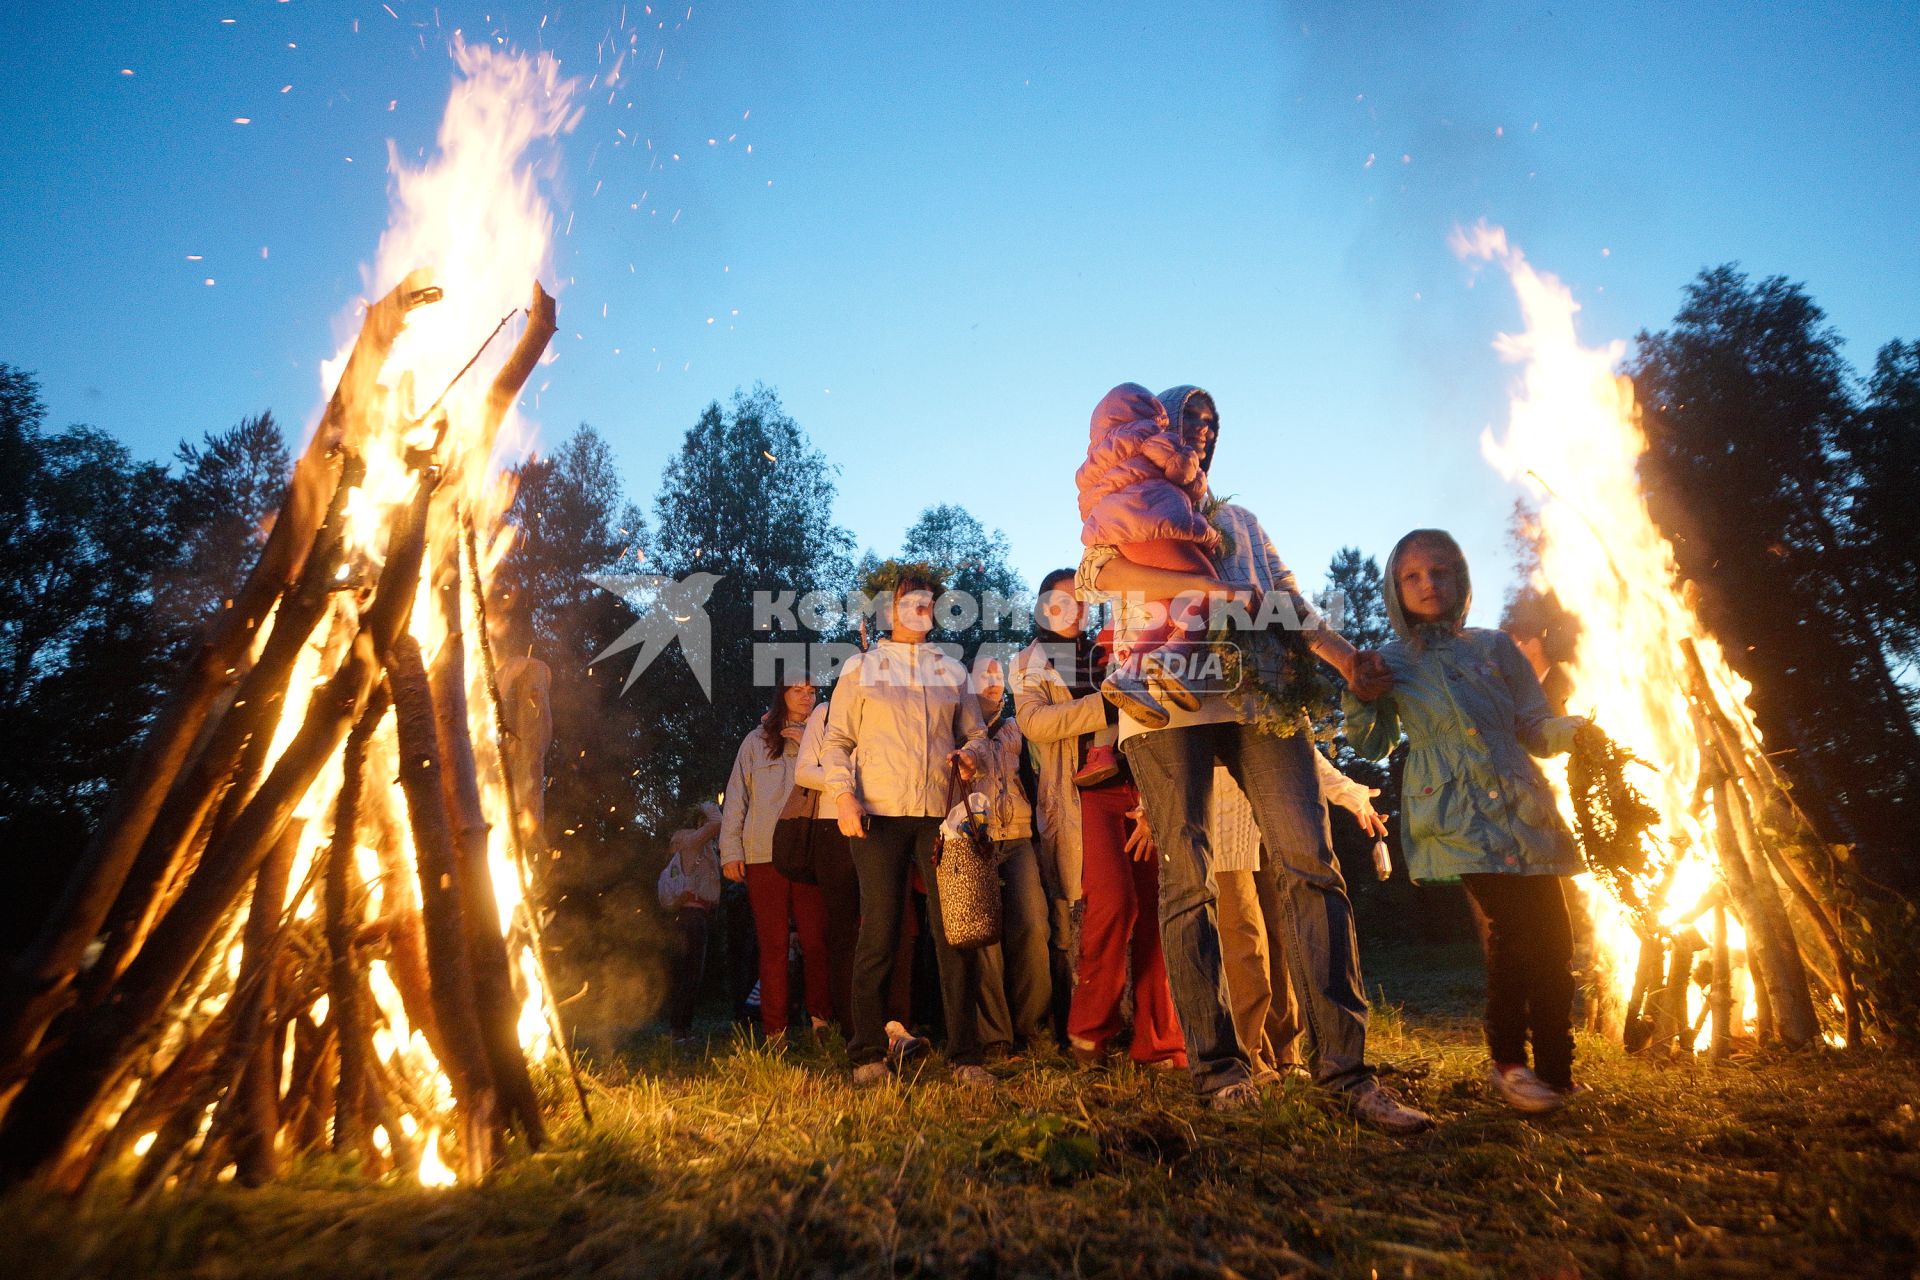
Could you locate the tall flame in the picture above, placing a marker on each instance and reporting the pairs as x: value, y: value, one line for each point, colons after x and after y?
x: 474, y: 216
x: 1573, y: 440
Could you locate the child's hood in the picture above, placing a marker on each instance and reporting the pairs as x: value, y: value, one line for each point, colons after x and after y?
x: 1128, y: 407
x: 1396, y: 611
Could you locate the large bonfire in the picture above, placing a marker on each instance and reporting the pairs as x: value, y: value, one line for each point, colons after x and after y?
x: 1707, y: 928
x: 307, y: 920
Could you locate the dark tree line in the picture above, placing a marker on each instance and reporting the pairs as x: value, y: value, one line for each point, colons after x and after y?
x: 1785, y: 480
x: 108, y: 566
x: 1787, y: 486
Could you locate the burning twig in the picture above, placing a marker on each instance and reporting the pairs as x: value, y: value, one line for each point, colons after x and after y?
x: 34, y: 991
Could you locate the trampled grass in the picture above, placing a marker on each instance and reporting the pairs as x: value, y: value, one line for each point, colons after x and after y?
x: 741, y: 1162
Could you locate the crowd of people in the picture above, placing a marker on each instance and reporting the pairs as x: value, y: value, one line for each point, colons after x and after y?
x: 1164, y: 848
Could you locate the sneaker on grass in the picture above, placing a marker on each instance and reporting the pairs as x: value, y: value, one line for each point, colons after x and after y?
x: 1516, y: 1085
x: 974, y: 1076
x: 1372, y: 1103
x: 903, y: 1045
x: 1241, y: 1095
x: 870, y: 1073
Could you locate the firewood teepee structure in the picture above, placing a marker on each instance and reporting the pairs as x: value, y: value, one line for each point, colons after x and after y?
x: 308, y: 919
x: 1713, y: 907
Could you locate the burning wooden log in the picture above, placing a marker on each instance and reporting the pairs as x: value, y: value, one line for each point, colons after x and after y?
x: 35, y: 989
x: 118, y: 1071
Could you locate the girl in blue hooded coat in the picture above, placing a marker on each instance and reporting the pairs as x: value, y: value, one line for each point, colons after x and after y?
x: 1477, y: 807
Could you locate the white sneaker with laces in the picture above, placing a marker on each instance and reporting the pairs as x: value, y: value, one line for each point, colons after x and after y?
x: 1241, y: 1095
x: 1524, y: 1091
x: 1372, y: 1103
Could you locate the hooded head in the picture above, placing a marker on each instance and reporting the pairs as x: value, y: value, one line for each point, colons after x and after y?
x: 1446, y: 552
x: 1175, y: 399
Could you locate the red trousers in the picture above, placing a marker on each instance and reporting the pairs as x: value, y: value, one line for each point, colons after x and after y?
x: 776, y: 900
x: 1122, y: 922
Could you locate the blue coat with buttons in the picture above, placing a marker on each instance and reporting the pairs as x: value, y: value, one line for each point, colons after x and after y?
x: 1473, y: 798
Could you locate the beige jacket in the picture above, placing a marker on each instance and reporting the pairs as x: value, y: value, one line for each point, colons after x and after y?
x: 809, y: 771
x: 1010, y: 817
x: 897, y: 711
x: 1235, y: 835
x: 1052, y: 720
x: 756, y: 791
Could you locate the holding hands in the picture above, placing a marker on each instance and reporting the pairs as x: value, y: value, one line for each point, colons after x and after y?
x: 1368, y: 675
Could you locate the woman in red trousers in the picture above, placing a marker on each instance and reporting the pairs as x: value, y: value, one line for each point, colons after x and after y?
x: 756, y: 792
x: 1121, y: 877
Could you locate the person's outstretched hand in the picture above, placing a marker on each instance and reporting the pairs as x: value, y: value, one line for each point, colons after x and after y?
x: 1370, y: 820
x: 1371, y: 677
x: 1140, y: 846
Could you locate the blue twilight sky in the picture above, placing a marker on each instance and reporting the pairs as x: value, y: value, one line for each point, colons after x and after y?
x: 958, y: 225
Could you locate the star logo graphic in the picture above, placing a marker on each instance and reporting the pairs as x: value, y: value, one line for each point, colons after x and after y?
x: 670, y: 609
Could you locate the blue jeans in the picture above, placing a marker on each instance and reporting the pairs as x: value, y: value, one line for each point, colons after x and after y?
x: 1016, y: 980
x: 1174, y: 771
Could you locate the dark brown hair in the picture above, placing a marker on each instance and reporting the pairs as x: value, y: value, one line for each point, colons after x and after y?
x: 775, y: 721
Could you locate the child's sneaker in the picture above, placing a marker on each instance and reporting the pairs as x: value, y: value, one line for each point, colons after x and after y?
x: 903, y: 1045
x: 1102, y: 767
x: 1126, y: 690
x: 1516, y: 1085
x: 1163, y: 669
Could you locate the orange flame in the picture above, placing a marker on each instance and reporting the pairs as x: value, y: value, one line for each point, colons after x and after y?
x: 1574, y: 441
x: 474, y: 217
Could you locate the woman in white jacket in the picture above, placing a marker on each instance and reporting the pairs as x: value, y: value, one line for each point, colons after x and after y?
x: 756, y: 792
x: 902, y: 720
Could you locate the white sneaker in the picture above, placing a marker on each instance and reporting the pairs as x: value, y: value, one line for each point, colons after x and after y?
x: 1524, y: 1091
x: 1241, y: 1095
x: 903, y: 1045
x: 870, y: 1073
x: 1374, y: 1104
x: 974, y: 1076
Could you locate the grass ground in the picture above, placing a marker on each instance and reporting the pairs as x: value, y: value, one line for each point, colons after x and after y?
x: 740, y: 1162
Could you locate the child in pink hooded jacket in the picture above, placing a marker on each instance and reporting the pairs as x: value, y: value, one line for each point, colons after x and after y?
x: 1142, y: 490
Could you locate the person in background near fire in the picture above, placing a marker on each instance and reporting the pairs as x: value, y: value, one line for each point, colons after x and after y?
x: 1060, y: 710
x: 1175, y: 765
x: 689, y: 889
x: 833, y: 871
x: 1253, y: 922
x: 1119, y: 935
x: 757, y: 790
x: 1016, y: 996
x: 1546, y: 634
x: 1478, y: 808
x: 902, y: 720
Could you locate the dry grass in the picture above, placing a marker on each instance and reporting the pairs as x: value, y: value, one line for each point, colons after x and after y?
x: 743, y: 1163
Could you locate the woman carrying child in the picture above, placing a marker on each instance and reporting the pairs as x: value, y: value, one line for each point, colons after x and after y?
x: 1478, y: 809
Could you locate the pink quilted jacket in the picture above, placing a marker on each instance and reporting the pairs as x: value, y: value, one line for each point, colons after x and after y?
x: 1142, y: 480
